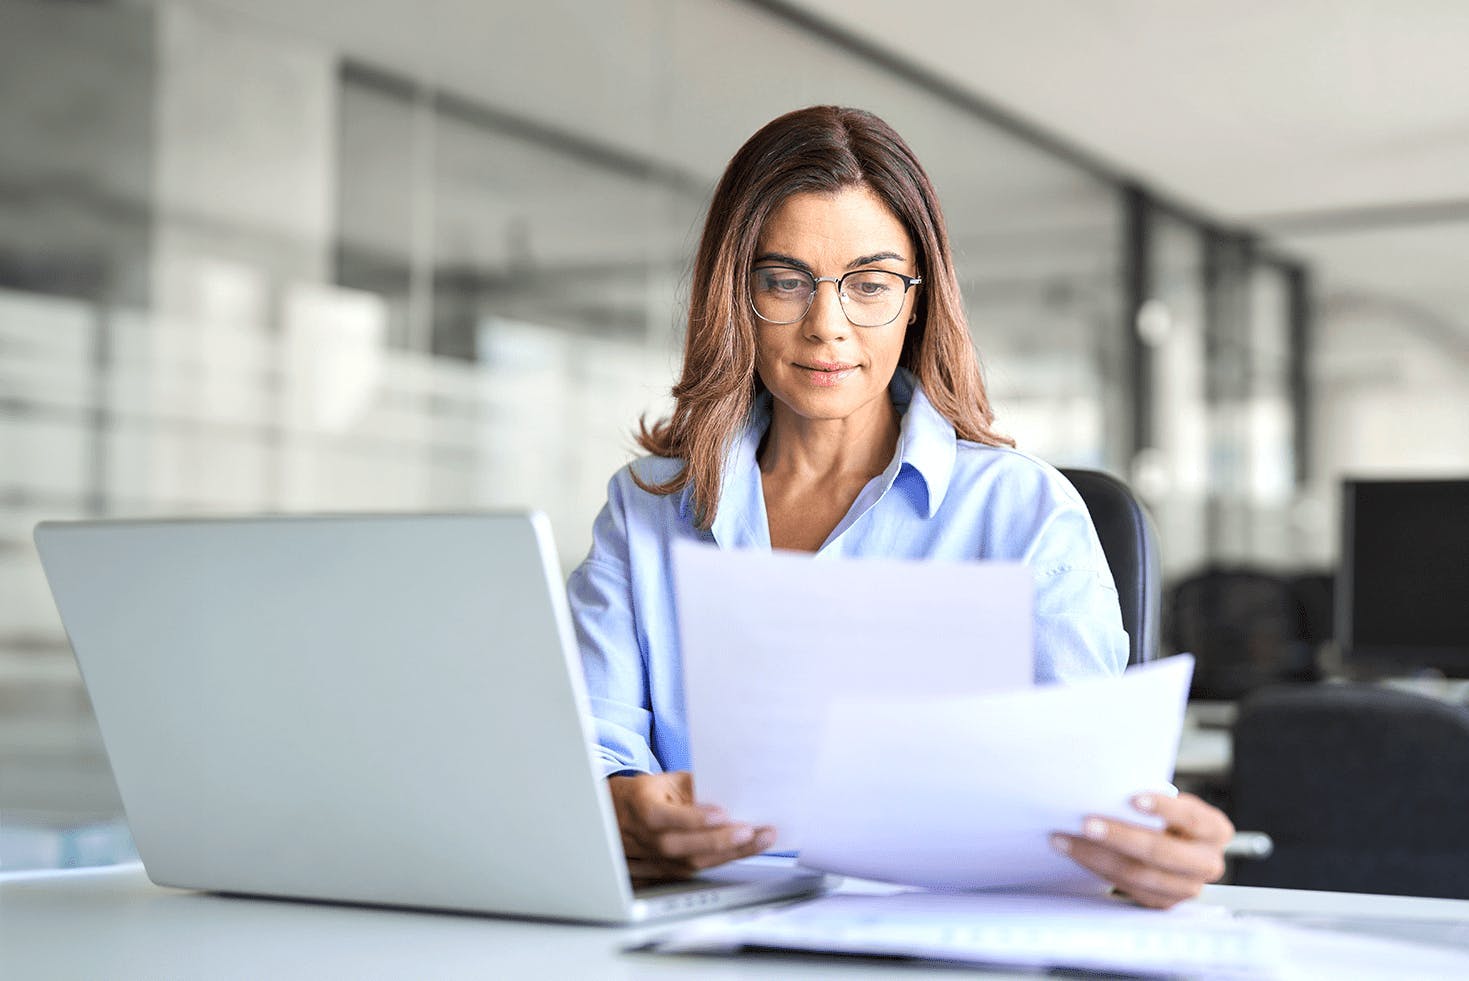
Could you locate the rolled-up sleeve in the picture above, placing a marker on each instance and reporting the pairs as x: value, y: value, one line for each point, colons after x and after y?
x: 613, y: 660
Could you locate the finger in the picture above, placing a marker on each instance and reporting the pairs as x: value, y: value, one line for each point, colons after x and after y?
x: 708, y: 861
x: 735, y: 840
x: 705, y: 849
x: 1187, y: 816
x: 634, y: 847
x: 1148, y: 884
x: 1129, y: 875
x: 656, y: 865
x: 1152, y: 900
x: 1162, y: 849
x: 684, y: 844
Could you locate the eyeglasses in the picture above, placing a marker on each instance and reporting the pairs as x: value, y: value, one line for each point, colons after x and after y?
x: 869, y: 297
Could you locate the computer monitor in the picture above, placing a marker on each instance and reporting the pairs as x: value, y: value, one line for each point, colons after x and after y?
x: 1403, y: 590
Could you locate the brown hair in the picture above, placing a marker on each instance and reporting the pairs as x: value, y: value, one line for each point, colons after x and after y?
x: 822, y: 149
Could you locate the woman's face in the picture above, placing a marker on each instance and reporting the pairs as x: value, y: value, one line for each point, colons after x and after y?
x: 822, y: 366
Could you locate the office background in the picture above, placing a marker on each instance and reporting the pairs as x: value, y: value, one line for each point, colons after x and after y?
x: 266, y: 255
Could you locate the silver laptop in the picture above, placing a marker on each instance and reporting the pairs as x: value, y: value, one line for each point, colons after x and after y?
x: 367, y: 709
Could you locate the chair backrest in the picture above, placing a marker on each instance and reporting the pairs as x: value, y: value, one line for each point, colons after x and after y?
x: 1247, y: 628
x: 1362, y: 788
x: 1131, y: 545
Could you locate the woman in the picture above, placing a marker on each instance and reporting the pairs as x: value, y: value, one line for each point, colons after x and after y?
x: 831, y: 401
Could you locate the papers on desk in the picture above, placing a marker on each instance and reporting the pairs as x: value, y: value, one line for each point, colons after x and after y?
x: 881, y: 715
x: 771, y: 640
x: 1192, y: 940
x: 1031, y: 931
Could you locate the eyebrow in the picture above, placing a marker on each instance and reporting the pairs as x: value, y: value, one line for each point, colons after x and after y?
x: 867, y: 260
x: 794, y: 263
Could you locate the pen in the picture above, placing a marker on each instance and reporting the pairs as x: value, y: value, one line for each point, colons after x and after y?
x: 1245, y: 844
x: 1249, y: 844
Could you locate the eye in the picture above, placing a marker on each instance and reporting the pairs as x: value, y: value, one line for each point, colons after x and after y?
x: 870, y: 285
x: 782, y: 281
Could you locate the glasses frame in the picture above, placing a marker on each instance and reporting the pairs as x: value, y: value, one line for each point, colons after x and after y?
x: 908, y: 283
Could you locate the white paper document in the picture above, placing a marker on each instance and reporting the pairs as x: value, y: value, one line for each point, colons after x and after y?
x: 770, y: 640
x: 1031, y: 931
x: 963, y: 792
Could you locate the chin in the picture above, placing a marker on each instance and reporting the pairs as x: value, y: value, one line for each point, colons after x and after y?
x: 823, y: 404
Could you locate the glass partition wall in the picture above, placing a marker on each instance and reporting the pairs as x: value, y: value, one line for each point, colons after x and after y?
x: 267, y: 256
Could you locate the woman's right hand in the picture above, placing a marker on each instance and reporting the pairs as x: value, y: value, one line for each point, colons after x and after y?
x: 665, y: 835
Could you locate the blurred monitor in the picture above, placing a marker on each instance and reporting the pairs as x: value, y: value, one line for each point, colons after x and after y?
x: 1403, y: 592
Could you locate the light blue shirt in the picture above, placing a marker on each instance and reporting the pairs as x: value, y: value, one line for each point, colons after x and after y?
x: 940, y: 497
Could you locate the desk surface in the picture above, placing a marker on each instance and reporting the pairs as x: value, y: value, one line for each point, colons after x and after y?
x: 114, y: 923
x: 1206, y: 746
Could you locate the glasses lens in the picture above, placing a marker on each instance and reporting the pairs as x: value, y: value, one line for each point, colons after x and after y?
x: 872, y: 297
x: 781, y: 295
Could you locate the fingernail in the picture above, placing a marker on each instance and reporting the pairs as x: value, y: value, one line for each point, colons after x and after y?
x: 1146, y: 803
x: 1061, y: 845
x: 714, y: 816
x: 1094, y: 828
x: 766, y: 838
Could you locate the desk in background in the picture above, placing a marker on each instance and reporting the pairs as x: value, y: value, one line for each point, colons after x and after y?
x: 1206, y: 746
x: 1206, y: 749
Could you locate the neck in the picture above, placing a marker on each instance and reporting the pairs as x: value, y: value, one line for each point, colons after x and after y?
x: 862, y: 443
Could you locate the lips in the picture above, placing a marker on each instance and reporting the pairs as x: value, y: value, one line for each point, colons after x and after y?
x: 826, y: 374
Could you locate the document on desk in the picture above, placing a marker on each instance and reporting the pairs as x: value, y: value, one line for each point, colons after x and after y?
x: 963, y: 792
x: 769, y: 640
x: 999, y: 929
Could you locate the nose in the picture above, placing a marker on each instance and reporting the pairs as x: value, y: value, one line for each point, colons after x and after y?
x: 826, y: 321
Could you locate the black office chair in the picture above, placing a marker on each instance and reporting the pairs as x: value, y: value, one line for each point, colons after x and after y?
x: 1131, y: 545
x: 1361, y: 788
x: 1246, y: 627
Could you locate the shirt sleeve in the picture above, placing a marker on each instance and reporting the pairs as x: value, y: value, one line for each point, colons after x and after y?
x: 1078, y: 618
x: 614, y: 661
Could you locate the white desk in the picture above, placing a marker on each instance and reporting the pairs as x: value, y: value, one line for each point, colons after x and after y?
x: 1204, y: 754
x: 1206, y: 746
x: 113, y: 923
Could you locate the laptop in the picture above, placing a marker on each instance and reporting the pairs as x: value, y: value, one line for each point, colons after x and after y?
x: 380, y: 709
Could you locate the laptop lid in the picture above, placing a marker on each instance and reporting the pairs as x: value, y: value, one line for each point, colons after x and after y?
x: 375, y: 709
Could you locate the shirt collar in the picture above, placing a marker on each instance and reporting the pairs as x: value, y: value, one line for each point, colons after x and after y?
x: 926, y: 445
x: 740, y: 521
x: 926, y: 442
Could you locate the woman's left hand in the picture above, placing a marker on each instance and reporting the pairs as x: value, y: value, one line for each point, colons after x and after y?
x: 1155, y: 868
